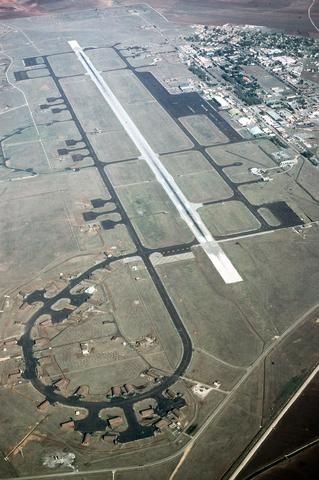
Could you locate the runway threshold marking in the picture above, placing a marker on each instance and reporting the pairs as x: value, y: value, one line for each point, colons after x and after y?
x: 185, y: 208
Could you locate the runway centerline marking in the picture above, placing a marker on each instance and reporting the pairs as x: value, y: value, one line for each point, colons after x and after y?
x: 186, y: 209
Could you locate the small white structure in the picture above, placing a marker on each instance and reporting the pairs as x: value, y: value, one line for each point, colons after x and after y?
x: 85, y: 348
x: 283, y: 167
x: 56, y: 459
x: 90, y: 290
x: 200, y: 390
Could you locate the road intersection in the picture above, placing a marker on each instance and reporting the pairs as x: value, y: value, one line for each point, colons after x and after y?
x: 186, y: 209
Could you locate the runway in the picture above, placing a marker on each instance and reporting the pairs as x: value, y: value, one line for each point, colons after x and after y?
x: 186, y: 209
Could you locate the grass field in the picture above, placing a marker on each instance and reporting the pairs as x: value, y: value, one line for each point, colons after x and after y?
x: 113, y: 146
x: 153, y: 215
x: 214, y: 324
x: 128, y: 173
x: 34, y: 215
x: 105, y: 59
x: 159, y: 129
x: 198, y: 180
x: 25, y: 156
x: 66, y: 65
x: 228, y: 218
x: 204, y: 187
x: 282, y: 188
x: 208, y: 369
x: 185, y: 163
x: 92, y: 111
x: 140, y: 311
x: 267, y: 81
x: 203, y: 130
x: 253, y: 153
x: 239, y: 158
x: 127, y: 88
x: 224, y: 438
x: 18, y: 127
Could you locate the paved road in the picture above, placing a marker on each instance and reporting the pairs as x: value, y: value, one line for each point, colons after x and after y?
x: 310, y: 17
x: 273, y: 425
x: 186, y: 450
x: 186, y: 209
x: 26, y: 340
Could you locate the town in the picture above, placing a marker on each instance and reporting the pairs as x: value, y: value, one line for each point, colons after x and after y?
x: 263, y: 81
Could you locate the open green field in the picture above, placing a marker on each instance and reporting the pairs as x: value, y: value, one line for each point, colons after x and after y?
x: 207, y: 369
x: 127, y: 88
x: 140, y: 311
x: 252, y: 153
x: 113, y: 146
x: 38, y: 91
x: 162, y: 230
x: 307, y: 176
x: 159, y: 129
x: 287, y: 366
x: 198, y: 180
x: 92, y: 111
x: 153, y: 215
x: 203, y: 130
x: 55, y: 138
x: 22, y: 410
x: 268, y: 256
x: 234, y: 323
x: 33, y: 215
x: 238, y: 158
x: 185, y: 163
x: 26, y: 156
x: 204, y: 187
x: 227, y: 434
x: 282, y: 188
x: 66, y: 65
x: 105, y: 59
x: 39, y: 73
x: 164, y: 470
x: 267, y: 81
x: 18, y: 127
x: 42, y: 158
x: 128, y: 173
x: 228, y: 218
x: 214, y: 324
x: 264, y: 263
x: 145, y: 198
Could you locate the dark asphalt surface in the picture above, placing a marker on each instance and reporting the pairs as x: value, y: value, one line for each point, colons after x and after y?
x: 175, y: 105
x: 193, y: 104
x: 93, y: 422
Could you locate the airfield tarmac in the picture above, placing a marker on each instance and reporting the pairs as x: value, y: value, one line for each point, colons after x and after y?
x: 81, y: 209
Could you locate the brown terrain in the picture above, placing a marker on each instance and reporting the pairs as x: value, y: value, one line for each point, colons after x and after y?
x: 289, y: 15
x: 291, y: 450
x: 27, y: 8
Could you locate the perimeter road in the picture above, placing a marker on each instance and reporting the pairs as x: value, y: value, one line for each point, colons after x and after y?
x: 186, y: 209
x: 273, y: 425
x: 309, y: 15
